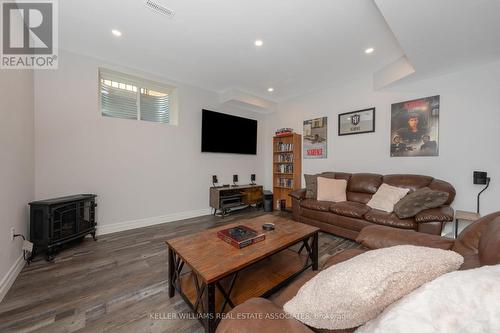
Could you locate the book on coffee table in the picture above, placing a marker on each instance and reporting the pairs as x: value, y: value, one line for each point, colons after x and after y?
x: 240, y: 236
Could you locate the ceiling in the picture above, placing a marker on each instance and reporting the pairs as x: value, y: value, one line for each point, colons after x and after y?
x: 306, y: 44
x: 210, y: 44
x: 442, y: 36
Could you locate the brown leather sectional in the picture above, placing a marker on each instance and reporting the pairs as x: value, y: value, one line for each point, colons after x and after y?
x: 479, y: 244
x: 347, y: 218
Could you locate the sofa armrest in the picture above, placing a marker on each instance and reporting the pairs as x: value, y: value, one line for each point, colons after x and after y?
x: 298, y: 194
x: 342, y: 256
x: 260, y: 315
x: 379, y: 236
x: 440, y: 214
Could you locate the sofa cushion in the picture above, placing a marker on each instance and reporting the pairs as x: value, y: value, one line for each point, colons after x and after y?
x: 422, y: 199
x: 380, y: 236
x: 350, y: 208
x: 331, y: 189
x: 352, y: 292
x: 386, y: 197
x: 411, y: 182
x: 329, y: 218
x: 323, y: 206
x: 390, y: 219
x: 359, y: 197
x: 341, y: 175
x: 440, y: 214
x: 364, y: 182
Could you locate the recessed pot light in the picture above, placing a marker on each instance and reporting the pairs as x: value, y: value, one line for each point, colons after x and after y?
x: 369, y: 50
x: 258, y: 42
x: 270, y: 89
x: 117, y: 33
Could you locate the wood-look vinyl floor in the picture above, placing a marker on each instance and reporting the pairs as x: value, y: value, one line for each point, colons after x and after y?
x: 117, y: 284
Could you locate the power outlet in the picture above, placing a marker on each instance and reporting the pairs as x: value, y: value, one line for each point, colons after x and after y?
x: 12, y: 233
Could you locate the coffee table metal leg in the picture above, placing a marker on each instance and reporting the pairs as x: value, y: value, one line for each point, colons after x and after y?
x: 171, y: 271
x: 211, y: 319
x: 315, y: 252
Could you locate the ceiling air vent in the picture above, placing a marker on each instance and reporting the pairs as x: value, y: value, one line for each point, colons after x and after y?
x: 159, y: 8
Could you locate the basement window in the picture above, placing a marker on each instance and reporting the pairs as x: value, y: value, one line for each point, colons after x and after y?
x: 128, y: 97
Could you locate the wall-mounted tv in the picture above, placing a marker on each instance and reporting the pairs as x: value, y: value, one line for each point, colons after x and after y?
x: 223, y: 133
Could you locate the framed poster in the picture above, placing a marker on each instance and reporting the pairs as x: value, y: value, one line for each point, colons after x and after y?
x: 415, y: 127
x: 315, y: 138
x: 357, y: 122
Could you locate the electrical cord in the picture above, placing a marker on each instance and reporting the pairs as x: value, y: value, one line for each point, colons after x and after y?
x: 26, y: 254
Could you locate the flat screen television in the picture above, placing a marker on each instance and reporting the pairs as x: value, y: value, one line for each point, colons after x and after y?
x: 223, y: 133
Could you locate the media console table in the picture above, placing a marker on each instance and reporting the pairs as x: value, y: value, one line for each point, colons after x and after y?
x: 227, y: 198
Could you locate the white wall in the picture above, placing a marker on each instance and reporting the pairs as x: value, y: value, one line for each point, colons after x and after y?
x: 16, y: 168
x: 469, y: 130
x: 143, y: 172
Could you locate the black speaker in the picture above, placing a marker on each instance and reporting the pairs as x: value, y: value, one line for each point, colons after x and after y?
x: 235, y: 178
x: 252, y: 177
x: 480, y: 177
x: 214, y: 179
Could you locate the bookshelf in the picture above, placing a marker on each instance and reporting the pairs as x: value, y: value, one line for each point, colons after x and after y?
x: 287, y: 167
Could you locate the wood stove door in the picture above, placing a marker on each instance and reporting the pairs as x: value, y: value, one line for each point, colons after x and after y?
x: 63, y: 221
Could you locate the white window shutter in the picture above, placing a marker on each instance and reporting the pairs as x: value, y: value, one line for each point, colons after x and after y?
x: 155, y: 106
x: 124, y: 96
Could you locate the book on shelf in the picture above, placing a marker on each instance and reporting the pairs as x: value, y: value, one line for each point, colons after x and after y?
x: 285, y: 168
x: 285, y: 182
x: 284, y: 147
x: 285, y: 157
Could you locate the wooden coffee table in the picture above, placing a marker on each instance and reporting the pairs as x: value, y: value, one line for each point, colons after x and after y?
x: 210, y: 274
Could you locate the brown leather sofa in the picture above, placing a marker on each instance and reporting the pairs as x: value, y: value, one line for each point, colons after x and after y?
x: 347, y: 218
x: 479, y: 244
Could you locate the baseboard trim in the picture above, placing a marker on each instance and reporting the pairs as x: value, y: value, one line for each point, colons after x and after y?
x: 9, y: 278
x: 140, y: 223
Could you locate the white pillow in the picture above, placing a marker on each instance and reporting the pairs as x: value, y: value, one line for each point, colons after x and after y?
x: 331, y: 189
x: 352, y: 292
x: 386, y: 197
x: 462, y: 301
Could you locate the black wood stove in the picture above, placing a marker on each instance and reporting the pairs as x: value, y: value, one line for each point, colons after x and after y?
x: 57, y: 221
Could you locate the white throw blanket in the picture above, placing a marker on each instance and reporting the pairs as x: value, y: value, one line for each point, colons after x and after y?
x: 457, y: 302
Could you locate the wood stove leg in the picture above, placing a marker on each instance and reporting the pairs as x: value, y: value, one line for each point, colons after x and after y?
x: 49, y: 255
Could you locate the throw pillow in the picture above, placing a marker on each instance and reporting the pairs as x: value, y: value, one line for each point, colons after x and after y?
x: 422, y: 199
x: 352, y: 292
x: 311, y: 186
x: 311, y: 183
x: 386, y: 197
x: 332, y: 189
x: 462, y: 301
